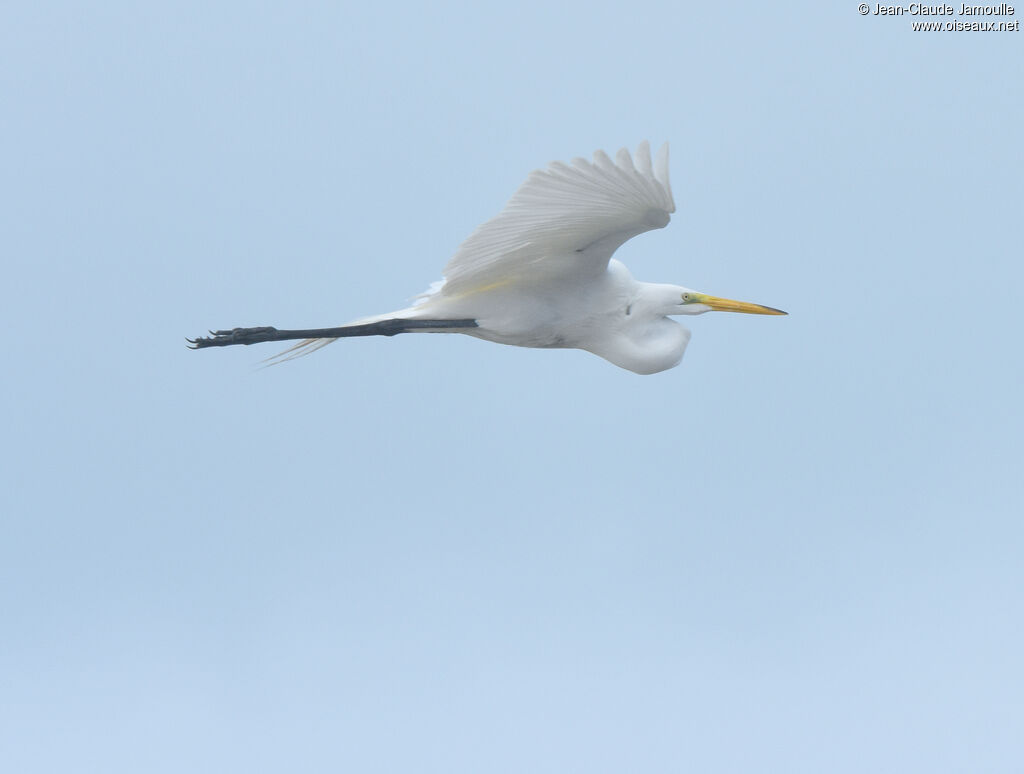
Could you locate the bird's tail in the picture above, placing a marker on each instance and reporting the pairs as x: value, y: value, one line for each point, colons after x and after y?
x: 303, y: 348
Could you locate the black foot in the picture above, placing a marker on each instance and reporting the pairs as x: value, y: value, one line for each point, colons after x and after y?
x: 234, y: 336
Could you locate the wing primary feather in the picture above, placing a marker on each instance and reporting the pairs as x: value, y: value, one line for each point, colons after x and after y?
x: 602, y: 162
x: 643, y: 159
x: 624, y: 160
x: 661, y: 168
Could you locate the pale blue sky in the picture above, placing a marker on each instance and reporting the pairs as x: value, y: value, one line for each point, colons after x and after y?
x: 800, y: 551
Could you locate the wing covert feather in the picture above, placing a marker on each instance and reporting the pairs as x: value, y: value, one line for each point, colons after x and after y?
x: 567, y: 217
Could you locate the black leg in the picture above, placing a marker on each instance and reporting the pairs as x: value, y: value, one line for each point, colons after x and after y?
x: 268, y: 333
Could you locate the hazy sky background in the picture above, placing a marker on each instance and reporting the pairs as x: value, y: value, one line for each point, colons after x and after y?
x: 799, y: 551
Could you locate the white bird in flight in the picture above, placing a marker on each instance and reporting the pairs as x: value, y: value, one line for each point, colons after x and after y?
x: 541, y: 274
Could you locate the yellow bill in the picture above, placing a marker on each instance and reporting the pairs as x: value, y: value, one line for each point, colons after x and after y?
x: 728, y: 305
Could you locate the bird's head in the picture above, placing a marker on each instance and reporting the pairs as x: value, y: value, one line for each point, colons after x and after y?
x: 691, y: 302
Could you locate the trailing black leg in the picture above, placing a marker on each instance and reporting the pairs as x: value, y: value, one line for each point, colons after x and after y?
x: 393, y: 327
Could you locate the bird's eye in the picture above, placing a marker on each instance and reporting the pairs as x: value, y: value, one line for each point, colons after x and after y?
x: 686, y: 298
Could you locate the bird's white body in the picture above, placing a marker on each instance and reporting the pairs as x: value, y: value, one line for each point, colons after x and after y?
x: 607, y: 313
x: 541, y: 273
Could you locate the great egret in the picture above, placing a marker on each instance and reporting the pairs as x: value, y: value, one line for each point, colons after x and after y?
x: 541, y: 274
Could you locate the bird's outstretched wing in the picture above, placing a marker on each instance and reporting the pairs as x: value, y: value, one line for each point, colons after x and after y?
x: 566, y: 218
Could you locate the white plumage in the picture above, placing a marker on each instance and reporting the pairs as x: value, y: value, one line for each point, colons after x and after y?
x: 560, y: 211
x: 541, y: 273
